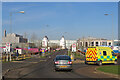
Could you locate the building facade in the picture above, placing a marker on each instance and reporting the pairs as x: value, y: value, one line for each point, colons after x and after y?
x: 13, y: 38
x: 62, y: 43
x: 54, y: 43
x: 45, y: 42
x: 82, y: 43
x: 69, y: 43
x: 90, y: 41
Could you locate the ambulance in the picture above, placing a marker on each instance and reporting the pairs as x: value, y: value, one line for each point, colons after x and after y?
x: 100, y: 55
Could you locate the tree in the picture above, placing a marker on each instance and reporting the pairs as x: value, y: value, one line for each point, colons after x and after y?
x: 33, y: 37
x: 25, y: 35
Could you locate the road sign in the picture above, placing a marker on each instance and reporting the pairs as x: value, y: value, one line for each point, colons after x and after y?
x: 8, y: 47
x: 28, y: 47
x: 7, y: 44
x: 74, y: 47
x: 43, y: 50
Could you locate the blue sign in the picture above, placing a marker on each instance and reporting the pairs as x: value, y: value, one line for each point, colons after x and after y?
x: 116, y: 51
x: 28, y: 47
x: 43, y: 50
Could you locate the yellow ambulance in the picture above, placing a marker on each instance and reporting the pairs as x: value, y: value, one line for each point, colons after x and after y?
x: 99, y: 55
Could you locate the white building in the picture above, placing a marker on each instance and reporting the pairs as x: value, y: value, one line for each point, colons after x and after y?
x: 116, y: 42
x: 80, y: 43
x: 69, y: 43
x: 53, y: 43
x: 45, y: 42
x: 90, y: 41
x: 62, y: 43
x: 13, y: 38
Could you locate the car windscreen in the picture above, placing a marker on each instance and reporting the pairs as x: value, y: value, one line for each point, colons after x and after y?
x: 63, y: 58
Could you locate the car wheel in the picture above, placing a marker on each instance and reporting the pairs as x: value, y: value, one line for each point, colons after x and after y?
x: 100, y: 63
x: 71, y: 70
x: 115, y: 62
x: 55, y: 70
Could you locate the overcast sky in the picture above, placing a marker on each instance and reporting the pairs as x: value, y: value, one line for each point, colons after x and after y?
x: 54, y: 19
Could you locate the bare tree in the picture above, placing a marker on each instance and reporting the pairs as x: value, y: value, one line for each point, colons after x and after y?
x: 54, y: 46
x: 25, y: 35
x: 33, y: 37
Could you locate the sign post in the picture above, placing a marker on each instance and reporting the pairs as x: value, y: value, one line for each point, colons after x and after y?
x: 74, y: 47
x: 8, y: 50
x: 7, y: 56
x: 8, y: 47
x: 10, y: 56
x: 68, y: 50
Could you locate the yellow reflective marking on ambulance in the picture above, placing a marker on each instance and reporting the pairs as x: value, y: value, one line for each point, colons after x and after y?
x: 91, y: 54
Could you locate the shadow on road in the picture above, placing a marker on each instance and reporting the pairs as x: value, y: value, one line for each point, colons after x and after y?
x: 102, y: 64
x: 64, y: 71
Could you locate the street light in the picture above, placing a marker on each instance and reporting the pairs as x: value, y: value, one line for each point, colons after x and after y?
x: 66, y: 43
x: 106, y: 14
x: 11, y: 13
x: 11, y: 26
x: 21, y: 12
x: 112, y: 28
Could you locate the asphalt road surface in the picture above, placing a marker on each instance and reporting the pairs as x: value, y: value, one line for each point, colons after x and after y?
x: 45, y: 69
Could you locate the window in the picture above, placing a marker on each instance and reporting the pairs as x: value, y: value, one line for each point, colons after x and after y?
x: 104, y: 43
x: 109, y: 43
x: 104, y: 53
x: 96, y: 43
x: 80, y: 43
x: 63, y: 58
x: 86, y: 44
x: 113, y: 53
x: 92, y: 43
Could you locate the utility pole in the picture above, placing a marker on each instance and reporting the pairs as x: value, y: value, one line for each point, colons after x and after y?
x: 83, y: 43
x: 112, y: 30
x: 68, y: 50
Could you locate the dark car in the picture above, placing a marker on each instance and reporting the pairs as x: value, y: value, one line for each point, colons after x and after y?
x: 62, y: 62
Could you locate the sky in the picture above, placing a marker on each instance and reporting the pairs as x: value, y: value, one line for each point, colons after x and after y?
x: 60, y: 0
x: 72, y: 20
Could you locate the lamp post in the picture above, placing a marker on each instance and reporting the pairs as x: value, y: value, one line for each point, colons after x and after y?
x: 11, y: 13
x: 112, y: 29
x: 67, y: 43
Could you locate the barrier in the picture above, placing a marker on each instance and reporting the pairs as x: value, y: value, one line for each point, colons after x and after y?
x: 6, y: 58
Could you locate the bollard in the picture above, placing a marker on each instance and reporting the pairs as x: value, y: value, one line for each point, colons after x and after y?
x: 10, y: 56
x: 7, y: 58
x: 72, y: 57
x: 24, y: 56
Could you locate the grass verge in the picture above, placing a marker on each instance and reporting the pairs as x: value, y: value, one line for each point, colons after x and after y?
x: 114, y: 69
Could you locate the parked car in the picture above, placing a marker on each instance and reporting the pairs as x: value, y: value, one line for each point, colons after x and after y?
x: 62, y: 62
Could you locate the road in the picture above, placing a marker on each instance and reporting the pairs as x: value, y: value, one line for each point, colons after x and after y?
x: 44, y: 69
